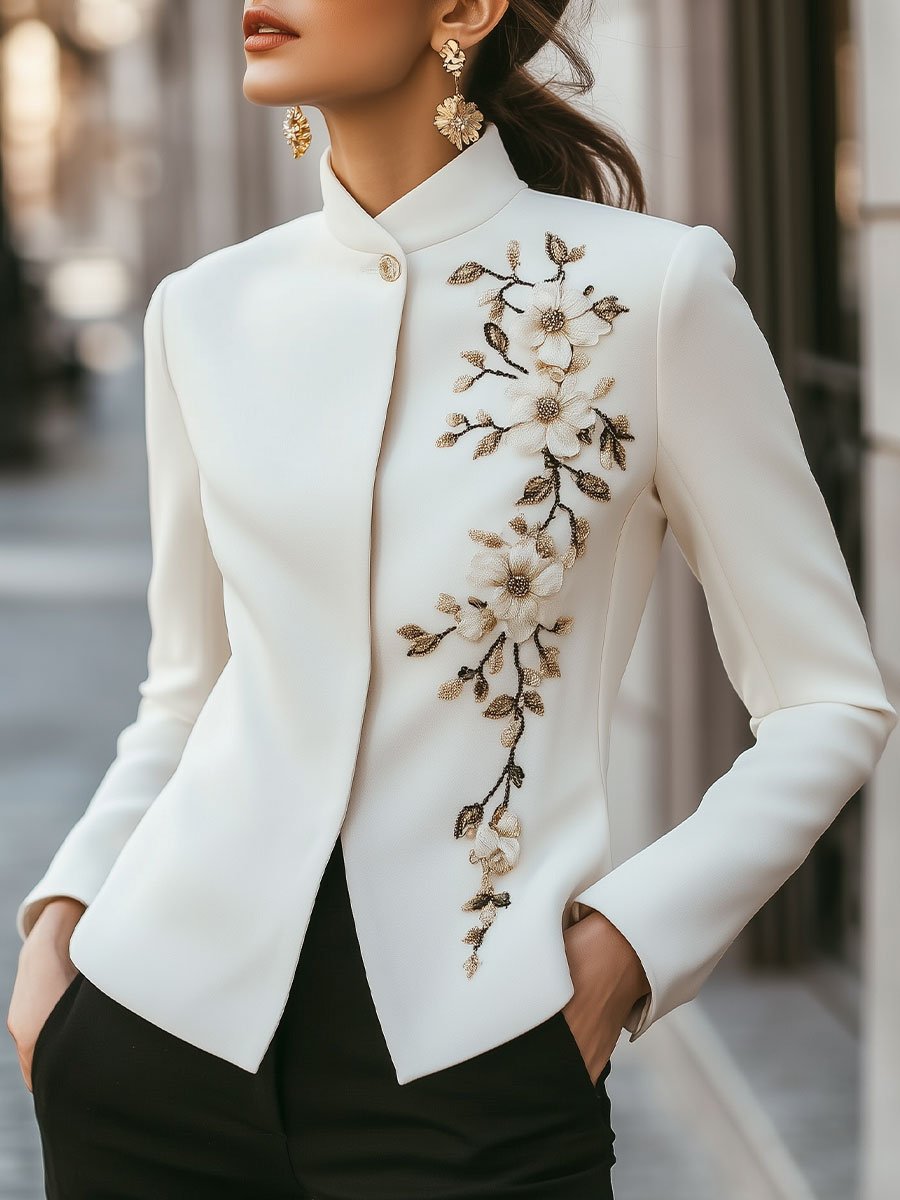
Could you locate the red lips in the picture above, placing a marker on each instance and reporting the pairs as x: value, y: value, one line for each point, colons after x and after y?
x: 260, y: 15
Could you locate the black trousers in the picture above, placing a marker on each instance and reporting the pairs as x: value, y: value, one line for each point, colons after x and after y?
x: 127, y: 1111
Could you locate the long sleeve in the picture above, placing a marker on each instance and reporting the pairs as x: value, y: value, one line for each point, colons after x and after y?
x: 753, y: 526
x: 188, y: 647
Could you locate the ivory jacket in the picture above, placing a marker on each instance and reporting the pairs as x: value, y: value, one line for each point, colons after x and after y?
x: 409, y: 478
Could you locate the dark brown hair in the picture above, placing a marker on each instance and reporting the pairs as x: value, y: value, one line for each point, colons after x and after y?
x: 553, y: 146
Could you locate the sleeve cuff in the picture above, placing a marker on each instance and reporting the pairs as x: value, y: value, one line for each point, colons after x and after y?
x: 645, y: 1009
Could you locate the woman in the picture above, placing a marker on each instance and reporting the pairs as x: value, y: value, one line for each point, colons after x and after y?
x: 324, y: 930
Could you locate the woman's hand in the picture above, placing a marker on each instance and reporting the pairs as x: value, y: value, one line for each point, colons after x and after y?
x: 609, y: 978
x: 45, y: 971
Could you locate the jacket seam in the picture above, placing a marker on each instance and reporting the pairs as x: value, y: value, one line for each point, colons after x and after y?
x: 612, y: 584
x: 659, y: 311
x: 724, y: 574
x: 687, y: 489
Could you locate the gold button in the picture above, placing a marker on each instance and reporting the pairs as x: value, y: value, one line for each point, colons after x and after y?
x: 389, y: 267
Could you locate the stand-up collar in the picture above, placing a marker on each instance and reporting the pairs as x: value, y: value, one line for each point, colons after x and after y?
x: 460, y: 195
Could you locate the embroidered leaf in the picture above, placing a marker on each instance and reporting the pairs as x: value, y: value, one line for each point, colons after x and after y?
x: 463, y: 383
x: 496, y: 309
x: 534, y: 701
x: 468, y: 272
x: 575, y: 253
x: 488, y: 444
x: 447, y: 604
x: 424, y: 645
x: 500, y: 706
x: 490, y: 297
x: 484, y: 418
x: 545, y: 545
x: 616, y: 431
x: 495, y: 658
x: 456, y: 418
x: 450, y: 690
x: 549, y: 656
x: 563, y: 624
x: 519, y: 524
x: 603, y: 387
x: 582, y: 529
x: 609, y: 308
x: 478, y: 901
x: 585, y: 435
x: 475, y: 357
x: 537, y: 488
x: 516, y: 775
x: 513, y: 254
x: 411, y: 631
x: 578, y: 361
x: 592, y: 485
x: 568, y: 559
x: 510, y: 734
x: 480, y: 689
x: 468, y: 820
x: 494, y: 540
x: 471, y: 965
x: 556, y: 249
x: 496, y: 337
x: 447, y: 439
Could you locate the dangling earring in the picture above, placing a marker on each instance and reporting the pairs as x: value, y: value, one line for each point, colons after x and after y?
x: 457, y: 119
x: 297, y: 130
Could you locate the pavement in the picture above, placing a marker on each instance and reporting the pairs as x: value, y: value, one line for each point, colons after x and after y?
x: 74, y: 562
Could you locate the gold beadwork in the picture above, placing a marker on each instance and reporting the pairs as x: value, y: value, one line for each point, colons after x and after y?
x: 552, y: 415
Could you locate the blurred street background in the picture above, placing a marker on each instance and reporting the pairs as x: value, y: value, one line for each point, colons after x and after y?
x: 127, y: 151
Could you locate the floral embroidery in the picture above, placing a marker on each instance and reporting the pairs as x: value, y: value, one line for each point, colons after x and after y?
x: 516, y: 581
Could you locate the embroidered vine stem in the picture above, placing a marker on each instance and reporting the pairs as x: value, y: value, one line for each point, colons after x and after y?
x: 515, y: 581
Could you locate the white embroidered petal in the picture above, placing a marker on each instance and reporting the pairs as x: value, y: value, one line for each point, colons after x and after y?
x: 508, y: 824
x: 528, y: 438
x: 523, y: 559
x: 486, y: 841
x: 488, y: 568
x: 556, y: 350
x: 584, y: 330
x: 572, y: 304
x: 545, y: 296
x: 471, y: 624
x: 522, y: 408
x: 509, y: 847
x: 578, y: 412
x: 548, y: 581
x: 520, y: 627
x: 562, y: 440
x: 526, y: 327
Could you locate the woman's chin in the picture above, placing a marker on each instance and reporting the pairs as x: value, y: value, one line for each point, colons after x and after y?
x: 270, y: 87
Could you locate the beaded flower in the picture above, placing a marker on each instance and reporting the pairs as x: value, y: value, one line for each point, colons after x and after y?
x: 517, y: 580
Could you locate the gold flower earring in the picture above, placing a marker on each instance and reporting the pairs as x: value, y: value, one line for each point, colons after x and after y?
x: 457, y: 119
x: 297, y: 130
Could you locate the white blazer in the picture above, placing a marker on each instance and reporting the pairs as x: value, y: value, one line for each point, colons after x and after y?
x: 409, y: 477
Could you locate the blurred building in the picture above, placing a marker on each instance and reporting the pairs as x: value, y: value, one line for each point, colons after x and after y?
x: 129, y: 150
